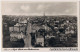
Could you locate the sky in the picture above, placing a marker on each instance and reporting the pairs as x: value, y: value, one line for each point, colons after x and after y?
x: 38, y: 8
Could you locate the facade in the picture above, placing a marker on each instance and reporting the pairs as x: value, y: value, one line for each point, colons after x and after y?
x: 40, y: 41
x: 17, y: 31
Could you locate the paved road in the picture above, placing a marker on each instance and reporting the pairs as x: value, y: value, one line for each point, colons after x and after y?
x: 27, y: 39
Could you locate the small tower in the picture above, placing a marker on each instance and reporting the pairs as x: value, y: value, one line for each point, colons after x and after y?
x: 44, y: 13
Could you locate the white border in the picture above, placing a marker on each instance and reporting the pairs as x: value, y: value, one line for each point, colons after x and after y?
x: 43, y: 1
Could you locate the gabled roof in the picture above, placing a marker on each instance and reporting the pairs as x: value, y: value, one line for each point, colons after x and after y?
x: 17, y: 24
x: 24, y: 21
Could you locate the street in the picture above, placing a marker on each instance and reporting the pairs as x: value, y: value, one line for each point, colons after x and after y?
x: 27, y: 39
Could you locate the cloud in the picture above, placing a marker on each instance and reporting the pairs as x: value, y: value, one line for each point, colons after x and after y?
x: 54, y: 8
x: 67, y: 11
x: 40, y: 7
x: 25, y: 8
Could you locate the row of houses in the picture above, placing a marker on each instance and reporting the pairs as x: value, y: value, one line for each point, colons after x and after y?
x: 18, y: 30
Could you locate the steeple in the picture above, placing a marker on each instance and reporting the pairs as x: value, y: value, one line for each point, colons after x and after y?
x: 44, y: 13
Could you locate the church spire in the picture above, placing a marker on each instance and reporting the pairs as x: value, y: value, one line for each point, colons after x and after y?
x: 44, y: 13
